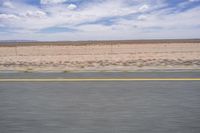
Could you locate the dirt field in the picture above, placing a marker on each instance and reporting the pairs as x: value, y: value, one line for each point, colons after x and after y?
x: 100, y: 56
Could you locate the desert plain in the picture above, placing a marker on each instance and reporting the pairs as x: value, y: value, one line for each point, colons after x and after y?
x: 101, y: 56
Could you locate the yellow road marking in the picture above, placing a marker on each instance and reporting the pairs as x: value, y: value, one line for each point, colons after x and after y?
x: 99, y: 79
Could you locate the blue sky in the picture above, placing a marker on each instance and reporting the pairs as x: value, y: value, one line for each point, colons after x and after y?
x: 58, y: 20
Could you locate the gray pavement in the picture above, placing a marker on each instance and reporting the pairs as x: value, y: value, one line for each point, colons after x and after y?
x: 100, y: 107
x: 194, y: 74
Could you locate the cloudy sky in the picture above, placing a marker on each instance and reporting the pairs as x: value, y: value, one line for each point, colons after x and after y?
x: 54, y: 20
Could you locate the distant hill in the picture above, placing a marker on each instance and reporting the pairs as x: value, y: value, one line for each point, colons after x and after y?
x: 13, y: 41
x: 35, y: 42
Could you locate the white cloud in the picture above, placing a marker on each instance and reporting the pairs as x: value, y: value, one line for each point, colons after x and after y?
x: 8, y: 17
x: 8, y: 4
x: 71, y: 6
x: 144, y: 8
x: 182, y: 20
x: 51, y: 16
x: 142, y: 17
x: 194, y: 0
x: 36, y: 13
x: 137, y: 20
x: 52, y: 1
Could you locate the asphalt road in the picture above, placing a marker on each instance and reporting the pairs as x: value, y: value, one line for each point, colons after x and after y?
x: 100, y: 107
x: 27, y: 75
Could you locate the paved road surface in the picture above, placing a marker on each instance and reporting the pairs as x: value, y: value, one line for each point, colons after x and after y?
x: 102, y: 75
x: 100, y: 107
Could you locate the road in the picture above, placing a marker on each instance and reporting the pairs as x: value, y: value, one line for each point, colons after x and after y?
x: 100, y: 107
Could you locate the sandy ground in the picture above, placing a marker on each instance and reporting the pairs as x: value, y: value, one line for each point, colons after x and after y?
x: 100, y: 57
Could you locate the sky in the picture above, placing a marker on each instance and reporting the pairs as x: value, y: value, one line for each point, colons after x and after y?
x: 62, y: 20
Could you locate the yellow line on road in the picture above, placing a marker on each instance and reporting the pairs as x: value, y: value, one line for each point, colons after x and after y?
x: 98, y: 79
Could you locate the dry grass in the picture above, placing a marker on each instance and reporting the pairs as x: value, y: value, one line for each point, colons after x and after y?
x: 110, y: 55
